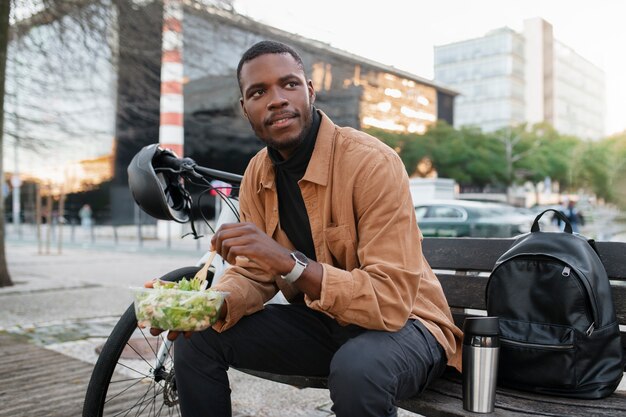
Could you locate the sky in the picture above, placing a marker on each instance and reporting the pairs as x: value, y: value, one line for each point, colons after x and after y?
x: 402, y: 33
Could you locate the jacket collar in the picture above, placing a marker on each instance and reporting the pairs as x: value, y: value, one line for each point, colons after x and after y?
x: 319, y: 165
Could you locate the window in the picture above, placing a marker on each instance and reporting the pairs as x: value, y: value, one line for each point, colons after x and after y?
x: 446, y: 212
x: 420, y: 212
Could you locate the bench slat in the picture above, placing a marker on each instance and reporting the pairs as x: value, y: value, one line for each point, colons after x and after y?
x: 444, y: 398
x: 481, y: 254
x: 464, y: 289
x: 464, y: 253
x: 613, y: 256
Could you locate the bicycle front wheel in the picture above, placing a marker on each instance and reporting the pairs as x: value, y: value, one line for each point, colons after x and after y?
x: 124, y: 381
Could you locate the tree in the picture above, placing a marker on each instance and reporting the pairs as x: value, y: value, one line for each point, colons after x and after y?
x: 556, y: 153
x: 466, y: 155
x: 482, y: 159
x: 5, y: 11
x: 617, y: 145
x: 411, y: 148
x: 591, y: 168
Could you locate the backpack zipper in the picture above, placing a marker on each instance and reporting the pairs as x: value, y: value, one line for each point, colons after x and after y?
x: 536, y: 345
x: 582, y: 282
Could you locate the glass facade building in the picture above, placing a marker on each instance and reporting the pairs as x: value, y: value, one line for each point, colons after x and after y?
x: 580, y: 95
x: 488, y: 72
x: 108, y: 105
x: 506, y: 78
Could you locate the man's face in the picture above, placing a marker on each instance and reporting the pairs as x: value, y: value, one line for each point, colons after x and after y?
x: 277, y: 100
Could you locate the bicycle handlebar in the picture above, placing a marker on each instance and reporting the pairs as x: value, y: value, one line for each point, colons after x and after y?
x: 165, y: 159
x: 220, y: 175
x: 168, y: 160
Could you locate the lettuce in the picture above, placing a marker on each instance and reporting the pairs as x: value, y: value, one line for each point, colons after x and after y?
x: 181, y: 306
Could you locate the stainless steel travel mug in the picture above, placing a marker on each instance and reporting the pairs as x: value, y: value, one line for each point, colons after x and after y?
x: 481, y: 348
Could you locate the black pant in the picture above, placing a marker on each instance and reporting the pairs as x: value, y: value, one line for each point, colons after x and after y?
x: 367, y: 370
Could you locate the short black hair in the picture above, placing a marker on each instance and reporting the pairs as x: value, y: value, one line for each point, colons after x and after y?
x: 263, y: 48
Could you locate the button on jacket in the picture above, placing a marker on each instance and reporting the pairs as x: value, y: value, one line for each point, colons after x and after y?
x: 357, y: 197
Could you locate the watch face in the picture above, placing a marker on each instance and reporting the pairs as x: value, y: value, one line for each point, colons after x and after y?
x: 301, y: 257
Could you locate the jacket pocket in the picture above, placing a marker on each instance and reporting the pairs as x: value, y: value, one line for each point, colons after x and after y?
x: 341, y: 246
x: 536, y: 355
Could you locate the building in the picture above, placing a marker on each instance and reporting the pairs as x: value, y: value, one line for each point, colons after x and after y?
x: 124, y: 76
x: 507, y: 78
x: 353, y: 90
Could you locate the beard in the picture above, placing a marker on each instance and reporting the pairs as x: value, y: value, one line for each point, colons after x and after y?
x: 292, y: 142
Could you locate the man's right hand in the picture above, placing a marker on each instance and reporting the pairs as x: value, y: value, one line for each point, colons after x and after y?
x: 172, y: 335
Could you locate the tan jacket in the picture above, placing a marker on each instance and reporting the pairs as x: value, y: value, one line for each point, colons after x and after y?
x: 356, y: 193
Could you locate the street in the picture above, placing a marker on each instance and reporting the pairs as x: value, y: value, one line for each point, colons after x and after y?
x: 68, y: 303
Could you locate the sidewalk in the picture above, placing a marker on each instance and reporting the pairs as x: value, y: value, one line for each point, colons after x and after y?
x: 68, y: 303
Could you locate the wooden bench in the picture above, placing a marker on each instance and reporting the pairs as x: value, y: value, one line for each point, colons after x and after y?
x: 463, y: 265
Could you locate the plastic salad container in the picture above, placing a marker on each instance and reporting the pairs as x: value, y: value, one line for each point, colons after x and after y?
x: 176, y: 309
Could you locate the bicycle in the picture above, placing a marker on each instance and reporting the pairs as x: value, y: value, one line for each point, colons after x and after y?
x: 134, y: 373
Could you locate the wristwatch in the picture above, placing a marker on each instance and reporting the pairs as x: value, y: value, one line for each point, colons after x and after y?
x: 301, y: 263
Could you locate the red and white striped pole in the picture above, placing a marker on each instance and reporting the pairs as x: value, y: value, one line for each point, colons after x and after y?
x: 171, y: 130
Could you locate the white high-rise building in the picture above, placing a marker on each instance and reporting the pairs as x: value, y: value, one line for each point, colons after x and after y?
x: 506, y: 78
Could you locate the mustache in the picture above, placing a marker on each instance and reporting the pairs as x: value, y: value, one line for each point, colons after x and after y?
x: 281, y: 115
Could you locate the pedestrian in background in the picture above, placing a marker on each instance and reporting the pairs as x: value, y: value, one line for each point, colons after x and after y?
x: 85, y: 214
x: 574, y: 216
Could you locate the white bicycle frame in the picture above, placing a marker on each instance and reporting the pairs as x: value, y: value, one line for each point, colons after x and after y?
x: 227, y: 215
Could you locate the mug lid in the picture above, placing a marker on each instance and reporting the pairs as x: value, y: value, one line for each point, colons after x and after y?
x: 481, y: 326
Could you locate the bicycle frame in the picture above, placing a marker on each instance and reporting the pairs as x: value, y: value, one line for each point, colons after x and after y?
x: 226, y: 215
x: 146, y: 379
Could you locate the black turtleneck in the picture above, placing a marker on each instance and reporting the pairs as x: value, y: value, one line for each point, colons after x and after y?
x: 294, y: 219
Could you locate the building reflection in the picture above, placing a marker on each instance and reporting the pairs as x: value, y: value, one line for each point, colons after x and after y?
x: 352, y: 90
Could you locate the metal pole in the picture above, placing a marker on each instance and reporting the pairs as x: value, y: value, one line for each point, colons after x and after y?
x: 38, y: 215
x: 61, y: 221
x: 49, y: 220
x: 171, y: 131
x: 169, y: 235
x: 16, y: 183
x: 92, y: 229
x: 138, y: 223
x: 171, y: 121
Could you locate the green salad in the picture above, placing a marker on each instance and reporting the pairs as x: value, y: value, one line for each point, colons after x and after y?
x: 182, y: 306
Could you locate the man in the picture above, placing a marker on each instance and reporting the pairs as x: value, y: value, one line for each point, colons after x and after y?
x: 327, y: 218
x: 574, y: 216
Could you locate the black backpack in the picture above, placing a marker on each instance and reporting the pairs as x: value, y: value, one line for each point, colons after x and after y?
x: 558, y: 329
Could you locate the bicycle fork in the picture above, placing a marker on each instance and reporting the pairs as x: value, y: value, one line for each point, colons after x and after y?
x: 227, y: 215
x: 161, y: 356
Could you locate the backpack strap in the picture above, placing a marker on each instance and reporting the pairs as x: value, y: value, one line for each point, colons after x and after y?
x: 593, y: 245
x: 560, y: 215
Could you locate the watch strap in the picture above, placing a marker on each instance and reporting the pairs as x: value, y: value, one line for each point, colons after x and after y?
x: 297, y: 269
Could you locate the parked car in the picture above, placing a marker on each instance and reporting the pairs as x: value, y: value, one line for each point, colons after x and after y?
x: 460, y: 218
